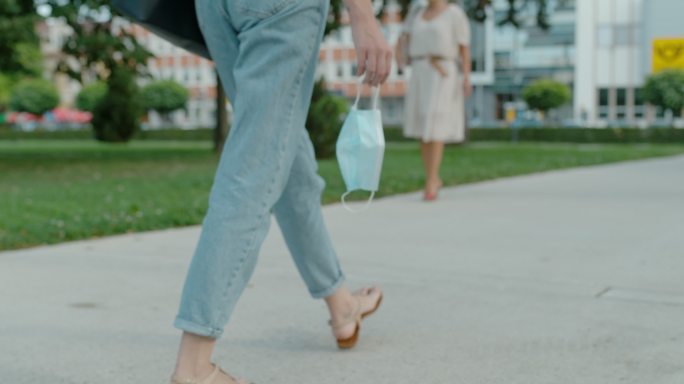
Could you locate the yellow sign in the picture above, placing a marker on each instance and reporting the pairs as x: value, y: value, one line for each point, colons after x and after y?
x: 510, y: 114
x: 668, y: 54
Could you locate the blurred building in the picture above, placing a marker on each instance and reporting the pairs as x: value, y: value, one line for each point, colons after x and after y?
x: 504, y: 60
x: 338, y: 64
x: 52, y: 34
x: 619, y: 43
x: 603, y: 50
x: 528, y: 53
x: 193, y: 72
x: 170, y: 62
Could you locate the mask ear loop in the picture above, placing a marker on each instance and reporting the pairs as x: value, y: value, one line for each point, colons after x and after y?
x: 376, y: 96
x: 359, y: 85
x: 363, y: 208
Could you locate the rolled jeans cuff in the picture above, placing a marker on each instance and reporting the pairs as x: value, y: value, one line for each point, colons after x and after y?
x: 197, y: 329
x: 329, y: 290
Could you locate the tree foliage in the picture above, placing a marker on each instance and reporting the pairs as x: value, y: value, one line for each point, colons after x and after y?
x: 35, y: 96
x: 666, y: 90
x: 17, y: 36
x: 99, y: 43
x: 164, y: 96
x: 324, y: 120
x: 117, y: 117
x: 103, y: 47
x: 6, y: 84
x: 546, y: 94
x: 91, y: 95
x: 476, y: 9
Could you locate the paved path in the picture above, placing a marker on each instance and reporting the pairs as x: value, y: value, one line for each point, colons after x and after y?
x: 566, y: 277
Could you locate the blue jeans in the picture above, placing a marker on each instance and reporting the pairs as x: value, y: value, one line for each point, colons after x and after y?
x: 266, y: 53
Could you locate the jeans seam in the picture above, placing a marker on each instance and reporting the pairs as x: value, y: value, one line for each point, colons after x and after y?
x: 269, y: 192
x: 264, y: 13
x: 222, y: 9
x: 327, y: 290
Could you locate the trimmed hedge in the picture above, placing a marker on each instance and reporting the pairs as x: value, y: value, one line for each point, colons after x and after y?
x: 580, y: 135
x: 563, y: 135
x: 394, y: 134
x: 203, y: 134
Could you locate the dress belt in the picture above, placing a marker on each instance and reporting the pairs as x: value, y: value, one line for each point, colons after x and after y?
x: 435, y: 62
x: 429, y: 57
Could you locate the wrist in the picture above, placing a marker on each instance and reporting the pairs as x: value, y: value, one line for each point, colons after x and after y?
x: 357, y: 8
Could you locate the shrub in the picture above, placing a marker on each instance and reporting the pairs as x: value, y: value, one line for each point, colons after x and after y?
x: 164, y: 96
x: 394, y: 134
x: 116, y: 118
x: 175, y: 134
x: 91, y: 95
x: 666, y: 90
x: 6, y: 84
x: 546, y: 94
x: 581, y: 135
x: 325, y: 119
x: 35, y: 96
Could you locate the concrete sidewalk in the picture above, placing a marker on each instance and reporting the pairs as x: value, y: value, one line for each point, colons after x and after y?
x: 566, y: 277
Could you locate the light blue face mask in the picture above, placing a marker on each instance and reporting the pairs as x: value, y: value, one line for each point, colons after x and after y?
x: 360, y: 148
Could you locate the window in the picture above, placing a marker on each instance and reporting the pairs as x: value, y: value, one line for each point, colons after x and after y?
x: 621, y: 97
x: 603, y: 103
x: 604, y: 36
x: 621, y: 111
x: 603, y: 97
x: 340, y: 70
x: 478, y: 47
x: 502, y: 59
x: 501, y: 100
x: 639, y: 104
x: 617, y: 35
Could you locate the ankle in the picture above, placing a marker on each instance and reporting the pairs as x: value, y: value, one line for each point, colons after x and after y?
x: 195, y: 371
x: 342, y: 306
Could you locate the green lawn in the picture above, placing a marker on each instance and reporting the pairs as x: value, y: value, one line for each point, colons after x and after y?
x: 56, y: 191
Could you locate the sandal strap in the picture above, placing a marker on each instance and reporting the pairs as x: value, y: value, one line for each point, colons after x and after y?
x: 354, y: 317
x: 208, y: 380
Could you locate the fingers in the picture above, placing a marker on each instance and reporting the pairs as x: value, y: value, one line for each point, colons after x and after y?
x: 381, y: 74
x: 384, y: 66
x: 468, y: 91
x: 378, y: 65
x: 361, y: 62
x: 372, y: 70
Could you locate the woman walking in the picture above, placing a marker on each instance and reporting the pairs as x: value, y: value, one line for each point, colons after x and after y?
x: 436, y: 37
x: 266, y: 53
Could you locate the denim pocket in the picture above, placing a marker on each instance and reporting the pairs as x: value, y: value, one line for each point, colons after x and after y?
x: 262, y: 8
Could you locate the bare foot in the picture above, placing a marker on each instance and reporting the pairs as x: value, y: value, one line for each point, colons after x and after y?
x: 432, y: 189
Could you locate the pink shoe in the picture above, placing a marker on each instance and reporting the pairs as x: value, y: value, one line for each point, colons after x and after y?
x: 428, y: 196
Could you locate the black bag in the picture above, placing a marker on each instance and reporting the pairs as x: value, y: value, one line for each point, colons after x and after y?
x: 175, y: 21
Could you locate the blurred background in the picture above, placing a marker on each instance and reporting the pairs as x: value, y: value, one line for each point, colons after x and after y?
x: 621, y: 43
x: 106, y: 128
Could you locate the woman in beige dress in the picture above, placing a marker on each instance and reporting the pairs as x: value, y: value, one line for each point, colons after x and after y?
x: 435, y: 40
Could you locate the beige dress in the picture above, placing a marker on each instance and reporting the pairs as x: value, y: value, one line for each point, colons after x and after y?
x: 434, y: 105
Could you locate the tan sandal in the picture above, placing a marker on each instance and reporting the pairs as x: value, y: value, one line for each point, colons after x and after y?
x: 355, y: 317
x: 208, y: 380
